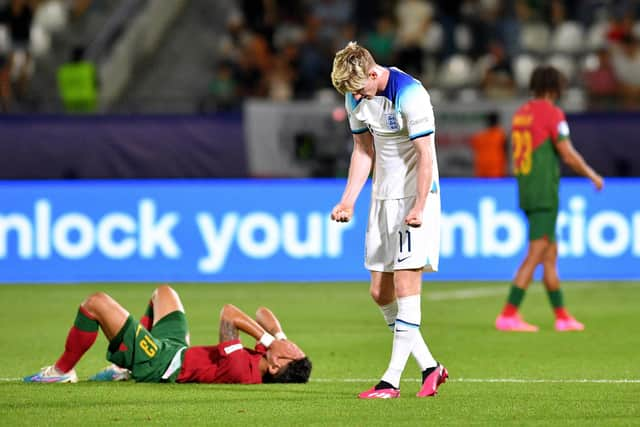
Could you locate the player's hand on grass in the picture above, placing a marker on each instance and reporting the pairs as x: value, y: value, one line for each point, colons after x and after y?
x: 342, y: 213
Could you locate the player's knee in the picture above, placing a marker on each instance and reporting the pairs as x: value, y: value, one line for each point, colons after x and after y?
x: 162, y: 291
x: 95, y: 301
x: 378, y: 296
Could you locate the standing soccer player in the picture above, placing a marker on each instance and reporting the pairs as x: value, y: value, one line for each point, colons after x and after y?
x: 540, y: 138
x: 391, y: 118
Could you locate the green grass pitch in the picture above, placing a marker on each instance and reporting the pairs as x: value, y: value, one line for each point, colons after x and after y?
x: 496, y: 379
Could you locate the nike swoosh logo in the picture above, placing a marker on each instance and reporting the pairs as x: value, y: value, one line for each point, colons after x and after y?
x: 402, y: 330
x: 402, y: 259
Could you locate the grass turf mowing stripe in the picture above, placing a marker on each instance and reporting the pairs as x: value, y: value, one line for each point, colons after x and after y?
x: 462, y: 380
x: 483, y: 291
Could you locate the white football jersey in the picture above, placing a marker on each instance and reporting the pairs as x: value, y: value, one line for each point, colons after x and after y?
x: 395, y: 117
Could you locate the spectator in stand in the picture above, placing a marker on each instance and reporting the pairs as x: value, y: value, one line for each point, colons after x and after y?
x: 230, y: 47
x: 253, y: 66
x: 498, y: 81
x: 19, y: 15
x: 621, y: 26
x: 312, y: 60
x: 448, y: 16
x: 507, y: 27
x: 479, y: 19
x: 5, y: 77
x: 601, y: 83
x: 625, y: 57
x: 560, y: 11
x: 280, y: 80
x: 223, y: 89
x: 78, y: 83
x: 366, y: 13
x: 490, y: 149
x: 380, y: 41
x: 332, y: 15
x: 79, y: 7
x: 414, y: 18
x: 260, y: 16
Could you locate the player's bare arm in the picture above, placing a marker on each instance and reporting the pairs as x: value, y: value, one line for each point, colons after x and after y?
x: 269, y: 322
x: 359, y: 169
x: 576, y: 162
x: 233, y: 320
x: 424, y: 152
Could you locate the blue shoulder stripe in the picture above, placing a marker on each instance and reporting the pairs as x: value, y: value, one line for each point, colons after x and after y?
x: 399, y: 84
x: 352, y: 100
x: 420, y: 135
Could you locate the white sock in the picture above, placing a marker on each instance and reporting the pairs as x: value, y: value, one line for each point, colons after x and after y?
x: 422, y: 354
x: 420, y: 350
x: 406, y: 331
x: 390, y: 312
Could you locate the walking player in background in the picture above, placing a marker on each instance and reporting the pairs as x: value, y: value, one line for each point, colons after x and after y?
x: 540, y: 138
x: 156, y: 349
x: 391, y: 118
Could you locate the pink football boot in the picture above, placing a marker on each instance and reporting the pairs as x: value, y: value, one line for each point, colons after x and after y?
x: 383, y: 393
x: 568, y: 324
x: 433, y: 380
x: 514, y: 323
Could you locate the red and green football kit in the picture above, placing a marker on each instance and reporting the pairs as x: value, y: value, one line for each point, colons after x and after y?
x: 226, y: 363
x: 537, y: 128
x: 163, y: 355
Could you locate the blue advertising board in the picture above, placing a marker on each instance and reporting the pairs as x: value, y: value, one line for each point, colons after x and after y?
x: 280, y: 230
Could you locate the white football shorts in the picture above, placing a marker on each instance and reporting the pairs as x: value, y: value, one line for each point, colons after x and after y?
x: 391, y: 245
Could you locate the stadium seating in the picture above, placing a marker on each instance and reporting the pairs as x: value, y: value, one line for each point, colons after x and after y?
x: 463, y: 38
x: 534, y: 37
x: 456, y: 71
x: 596, y: 35
x: 523, y: 65
x: 564, y: 63
x: 568, y: 37
x: 432, y: 41
x: 588, y: 62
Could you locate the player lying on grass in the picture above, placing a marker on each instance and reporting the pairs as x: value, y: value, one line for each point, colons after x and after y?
x: 156, y: 349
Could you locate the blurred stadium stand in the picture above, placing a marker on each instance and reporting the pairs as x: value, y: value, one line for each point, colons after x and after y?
x: 190, y: 57
x: 165, y: 59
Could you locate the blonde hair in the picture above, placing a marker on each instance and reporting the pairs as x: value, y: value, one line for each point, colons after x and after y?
x: 351, y: 66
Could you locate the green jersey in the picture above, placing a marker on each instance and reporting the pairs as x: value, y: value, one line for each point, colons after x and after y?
x: 537, y: 128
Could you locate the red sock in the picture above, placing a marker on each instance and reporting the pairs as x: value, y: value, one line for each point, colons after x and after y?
x: 509, y: 310
x: 561, y: 313
x: 81, y: 337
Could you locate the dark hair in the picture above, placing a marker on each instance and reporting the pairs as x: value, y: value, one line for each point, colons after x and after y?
x: 493, y: 118
x: 546, y: 79
x: 77, y: 53
x: 628, y: 39
x: 297, y: 371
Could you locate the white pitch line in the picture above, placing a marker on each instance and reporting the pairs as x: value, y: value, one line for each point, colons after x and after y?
x: 463, y: 380
x: 491, y: 380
